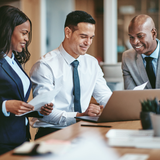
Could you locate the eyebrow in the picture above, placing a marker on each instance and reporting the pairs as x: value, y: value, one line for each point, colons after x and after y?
x: 86, y: 35
x: 137, y: 33
x: 25, y: 30
x: 140, y: 33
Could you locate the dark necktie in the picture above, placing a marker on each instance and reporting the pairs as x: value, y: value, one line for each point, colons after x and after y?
x: 150, y: 72
x: 76, y: 87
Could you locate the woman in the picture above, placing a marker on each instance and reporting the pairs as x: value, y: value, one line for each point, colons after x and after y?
x: 15, y: 85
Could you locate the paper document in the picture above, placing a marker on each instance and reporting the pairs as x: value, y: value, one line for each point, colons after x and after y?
x: 120, y: 133
x: 133, y: 156
x: 42, y: 99
x: 140, y: 87
x: 133, y: 138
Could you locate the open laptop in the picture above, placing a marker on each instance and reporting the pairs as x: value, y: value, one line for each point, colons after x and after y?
x: 124, y: 105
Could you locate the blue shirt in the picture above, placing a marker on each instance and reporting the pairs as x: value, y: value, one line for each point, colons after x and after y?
x: 154, y: 55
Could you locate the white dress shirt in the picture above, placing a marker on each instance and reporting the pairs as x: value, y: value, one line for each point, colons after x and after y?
x: 53, y: 71
x: 155, y: 56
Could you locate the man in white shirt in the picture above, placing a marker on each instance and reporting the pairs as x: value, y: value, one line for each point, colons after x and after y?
x: 54, y: 71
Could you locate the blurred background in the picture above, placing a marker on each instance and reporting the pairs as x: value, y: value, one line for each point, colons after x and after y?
x: 112, y: 19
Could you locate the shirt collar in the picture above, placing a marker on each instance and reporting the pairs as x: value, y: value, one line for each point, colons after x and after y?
x: 154, y: 54
x: 8, y: 59
x: 67, y: 57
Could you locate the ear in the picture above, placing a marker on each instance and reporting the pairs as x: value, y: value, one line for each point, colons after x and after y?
x: 68, y: 32
x: 154, y: 33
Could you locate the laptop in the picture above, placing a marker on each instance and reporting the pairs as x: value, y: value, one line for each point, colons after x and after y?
x: 124, y: 105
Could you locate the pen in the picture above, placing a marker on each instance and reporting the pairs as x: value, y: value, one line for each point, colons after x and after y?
x: 92, y: 125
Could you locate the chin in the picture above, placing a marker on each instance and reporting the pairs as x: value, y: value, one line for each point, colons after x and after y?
x: 139, y: 51
x: 20, y: 50
x: 83, y: 53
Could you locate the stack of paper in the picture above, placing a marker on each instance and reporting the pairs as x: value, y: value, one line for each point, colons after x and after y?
x: 132, y: 138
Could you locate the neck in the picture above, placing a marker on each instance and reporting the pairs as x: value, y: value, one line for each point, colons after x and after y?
x: 67, y: 48
x: 10, y: 54
x: 155, y: 46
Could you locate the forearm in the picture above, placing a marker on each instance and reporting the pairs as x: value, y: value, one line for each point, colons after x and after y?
x: 101, y: 91
x: 4, y: 109
x: 58, y: 117
x: 127, y: 77
x: 129, y: 83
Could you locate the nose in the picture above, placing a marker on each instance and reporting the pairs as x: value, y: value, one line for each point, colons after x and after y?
x: 26, y: 38
x: 134, y: 41
x: 88, y: 41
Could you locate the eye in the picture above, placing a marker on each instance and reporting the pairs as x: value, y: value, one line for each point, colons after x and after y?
x: 24, y: 33
x: 91, y: 37
x: 140, y: 36
x: 83, y: 36
x: 130, y: 37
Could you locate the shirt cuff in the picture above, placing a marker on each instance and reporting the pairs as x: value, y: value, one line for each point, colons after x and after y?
x: 40, y: 113
x: 70, y: 114
x: 7, y: 114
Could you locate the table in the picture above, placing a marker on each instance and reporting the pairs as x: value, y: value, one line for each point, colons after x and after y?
x: 71, y: 132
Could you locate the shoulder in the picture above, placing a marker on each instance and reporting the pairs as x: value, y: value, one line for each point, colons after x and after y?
x: 90, y: 59
x: 129, y: 54
x: 46, y: 62
x: 2, y: 61
x: 49, y: 58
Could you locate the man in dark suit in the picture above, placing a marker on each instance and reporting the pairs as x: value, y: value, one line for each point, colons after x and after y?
x: 141, y: 63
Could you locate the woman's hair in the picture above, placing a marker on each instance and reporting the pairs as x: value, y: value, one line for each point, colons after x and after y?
x: 10, y: 17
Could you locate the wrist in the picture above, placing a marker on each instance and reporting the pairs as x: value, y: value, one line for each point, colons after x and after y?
x: 79, y: 114
x: 6, y: 106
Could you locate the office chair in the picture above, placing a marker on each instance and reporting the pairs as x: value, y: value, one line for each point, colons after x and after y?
x: 113, y: 75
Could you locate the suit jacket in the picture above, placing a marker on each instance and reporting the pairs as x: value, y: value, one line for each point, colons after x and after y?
x: 134, y: 72
x: 12, y: 129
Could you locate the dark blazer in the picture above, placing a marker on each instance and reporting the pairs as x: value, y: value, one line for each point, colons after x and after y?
x: 134, y: 72
x: 12, y: 129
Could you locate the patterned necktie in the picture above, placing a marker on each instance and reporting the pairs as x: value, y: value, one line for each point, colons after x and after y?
x: 150, y: 72
x: 76, y: 87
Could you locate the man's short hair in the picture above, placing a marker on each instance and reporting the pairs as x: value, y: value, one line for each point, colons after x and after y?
x: 75, y: 17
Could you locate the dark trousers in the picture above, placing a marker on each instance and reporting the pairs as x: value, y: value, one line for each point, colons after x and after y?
x: 44, y: 131
x: 8, y: 147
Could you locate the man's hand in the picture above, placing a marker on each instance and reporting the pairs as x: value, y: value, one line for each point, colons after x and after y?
x: 18, y: 107
x: 47, y: 109
x: 93, y: 110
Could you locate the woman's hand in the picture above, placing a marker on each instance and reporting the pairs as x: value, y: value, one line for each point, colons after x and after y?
x: 47, y: 109
x: 18, y: 107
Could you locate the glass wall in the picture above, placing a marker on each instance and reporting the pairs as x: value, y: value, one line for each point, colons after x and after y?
x: 56, y: 15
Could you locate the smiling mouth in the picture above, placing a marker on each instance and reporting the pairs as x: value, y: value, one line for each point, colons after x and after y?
x: 84, y: 48
x: 23, y: 45
x: 137, y: 47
